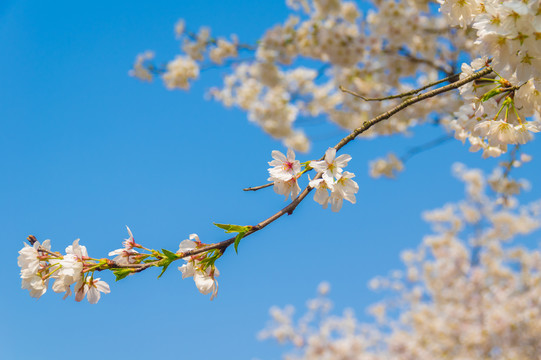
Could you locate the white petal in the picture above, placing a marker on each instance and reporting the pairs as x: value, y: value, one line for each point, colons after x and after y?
x: 329, y: 155
x: 290, y: 155
x: 93, y: 295
x: 278, y: 156
x: 187, y: 270
x: 204, y: 283
x: 102, y: 286
x: 186, y: 245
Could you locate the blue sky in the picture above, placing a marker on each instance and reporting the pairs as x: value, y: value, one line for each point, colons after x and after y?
x: 87, y: 150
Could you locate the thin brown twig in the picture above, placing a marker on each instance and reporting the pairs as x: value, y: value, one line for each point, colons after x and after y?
x: 368, y: 124
x: 255, y: 188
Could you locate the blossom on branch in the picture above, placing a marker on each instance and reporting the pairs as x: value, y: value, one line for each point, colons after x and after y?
x: 91, y: 288
x: 127, y: 254
x: 284, y: 168
x: 284, y: 173
x: 321, y: 196
x: 34, y: 271
x: 344, y: 188
x: 68, y: 271
x: 204, y: 276
x: 331, y: 166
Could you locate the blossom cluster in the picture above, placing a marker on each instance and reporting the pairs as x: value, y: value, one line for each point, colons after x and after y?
x: 285, y: 172
x: 335, y: 180
x: 466, y: 292
x: 496, y: 112
x: 39, y: 265
x: 276, y: 87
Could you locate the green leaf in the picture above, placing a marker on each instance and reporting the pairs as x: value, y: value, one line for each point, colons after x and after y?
x: 170, y: 255
x: 169, y: 258
x: 165, y: 266
x: 230, y: 228
x: 237, y: 240
x: 121, y: 273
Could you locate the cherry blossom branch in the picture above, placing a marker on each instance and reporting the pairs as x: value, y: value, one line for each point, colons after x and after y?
x: 406, y: 103
x: 367, y: 125
x: 202, y: 255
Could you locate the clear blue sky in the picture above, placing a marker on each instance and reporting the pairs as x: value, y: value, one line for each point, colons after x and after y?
x: 86, y: 150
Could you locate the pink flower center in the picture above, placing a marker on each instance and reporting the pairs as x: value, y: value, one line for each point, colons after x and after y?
x: 288, y: 166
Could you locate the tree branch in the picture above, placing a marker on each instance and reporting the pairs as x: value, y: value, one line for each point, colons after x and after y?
x: 223, y: 245
x: 368, y: 124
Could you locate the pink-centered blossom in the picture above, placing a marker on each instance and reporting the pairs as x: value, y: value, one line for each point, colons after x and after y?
x: 284, y: 168
x: 284, y: 172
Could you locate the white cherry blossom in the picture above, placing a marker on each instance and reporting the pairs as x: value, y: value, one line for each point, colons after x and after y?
x: 331, y: 166
x: 91, y: 288
x: 77, y: 250
x: 343, y: 188
x: 322, y: 192
x: 286, y: 188
x: 68, y: 271
x: 33, y: 270
x: 205, y: 279
x: 284, y: 168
